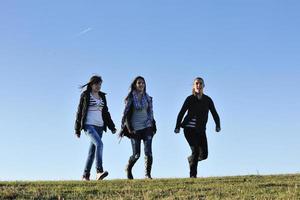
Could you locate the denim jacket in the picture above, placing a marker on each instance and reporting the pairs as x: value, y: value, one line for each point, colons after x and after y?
x: 126, y: 124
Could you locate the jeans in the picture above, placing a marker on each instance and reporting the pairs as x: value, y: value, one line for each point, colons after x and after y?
x: 96, y: 148
x: 145, y: 135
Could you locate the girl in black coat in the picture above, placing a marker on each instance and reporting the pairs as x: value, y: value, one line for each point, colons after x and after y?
x: 194, y: 123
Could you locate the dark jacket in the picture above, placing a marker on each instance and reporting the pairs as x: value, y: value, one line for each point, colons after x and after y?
x: 83, y: 109
x: 197, y: 108
x: 126, y: 120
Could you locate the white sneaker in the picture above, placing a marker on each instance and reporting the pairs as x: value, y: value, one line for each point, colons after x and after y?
x: 100, y: 176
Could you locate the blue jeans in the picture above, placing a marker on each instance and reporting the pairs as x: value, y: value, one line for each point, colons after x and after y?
x: 145, y: 135
x: 96, y: 148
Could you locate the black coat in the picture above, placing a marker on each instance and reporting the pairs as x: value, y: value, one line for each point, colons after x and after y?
x: 198, y: 109
x: 82, y: 113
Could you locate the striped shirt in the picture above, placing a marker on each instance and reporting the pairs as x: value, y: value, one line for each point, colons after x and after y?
x: 192, y: 123
x: 94, y: 115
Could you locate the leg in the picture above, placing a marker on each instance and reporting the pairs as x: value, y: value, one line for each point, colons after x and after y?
x: 147, y: 139
x: 95, y: 135
x: 136, y: 151
x: 192, y: 137
x: 193, y: 161
x: 99, y: 150
x: 89, y: 162
x: 203, y: 149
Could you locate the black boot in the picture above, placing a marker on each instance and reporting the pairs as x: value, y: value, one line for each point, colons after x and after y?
x: 193, y: 163
x: 148, y: 166
x: 132, y: 160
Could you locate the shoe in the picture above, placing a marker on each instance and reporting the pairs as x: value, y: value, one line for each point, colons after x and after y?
x: 85, y: 177
x: 101, y: 175
x: 148, y: 176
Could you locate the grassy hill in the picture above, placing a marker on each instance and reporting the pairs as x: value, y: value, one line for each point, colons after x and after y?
x: 239, y: 187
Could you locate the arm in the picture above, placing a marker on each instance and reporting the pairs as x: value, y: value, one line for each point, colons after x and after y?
x: 152, y: 116
x: 154, y: 127
x: 151, y: 109
x: 215, y: 115
x: 78, y: 117
x: 126, y: 113
x: 109, y: 121
x: 181, y: 113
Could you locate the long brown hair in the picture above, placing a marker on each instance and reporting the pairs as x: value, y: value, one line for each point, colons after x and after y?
x: 133, y: 86
x: 93, y: 80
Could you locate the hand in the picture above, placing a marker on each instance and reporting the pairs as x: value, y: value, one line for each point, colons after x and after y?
x: 120, y: 134
x: 114, y: 131
x: 177, y: 130
x: 77, y: 134
x: 153, y: 133
x: 218, y: 129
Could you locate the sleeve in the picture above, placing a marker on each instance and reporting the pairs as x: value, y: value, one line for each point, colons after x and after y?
x: 109, y: 121
x: 152, y: 116
x: 127, y: 115
x: 125, y: 112
x: 214, y: 113
x: 79, y: 115
x: 181, y: 113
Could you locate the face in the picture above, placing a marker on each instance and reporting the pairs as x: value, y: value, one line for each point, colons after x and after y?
x: 198, y: 86
x: 140, y: 85
x: 96, y: 87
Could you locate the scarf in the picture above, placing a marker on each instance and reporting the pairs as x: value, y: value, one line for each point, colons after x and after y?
x: 140, y: 105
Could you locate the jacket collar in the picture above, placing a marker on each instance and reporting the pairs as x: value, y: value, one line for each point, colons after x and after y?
x: 100, y: 93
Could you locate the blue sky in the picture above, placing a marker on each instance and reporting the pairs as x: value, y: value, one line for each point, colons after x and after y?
x: 247, y: 52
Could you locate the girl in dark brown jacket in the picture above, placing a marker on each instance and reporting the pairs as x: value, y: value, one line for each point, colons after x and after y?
x: 93, y: 117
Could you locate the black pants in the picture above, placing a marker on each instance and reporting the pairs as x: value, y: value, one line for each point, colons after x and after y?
x: 198, y: 144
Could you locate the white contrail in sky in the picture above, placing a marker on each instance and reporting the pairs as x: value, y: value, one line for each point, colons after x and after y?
x: 84, y: 31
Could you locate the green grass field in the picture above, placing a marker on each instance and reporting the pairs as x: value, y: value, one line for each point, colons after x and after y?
x: 238, y: 187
